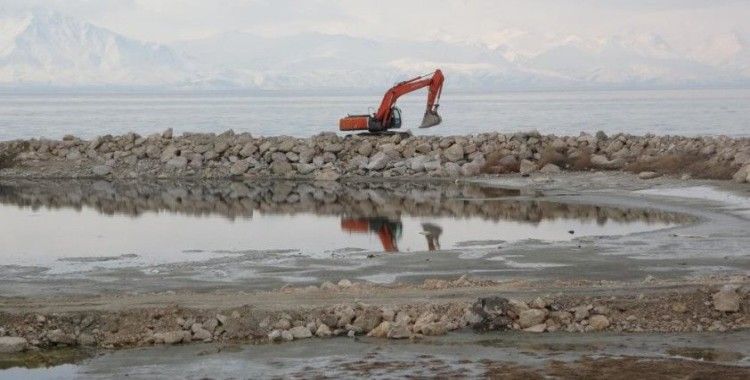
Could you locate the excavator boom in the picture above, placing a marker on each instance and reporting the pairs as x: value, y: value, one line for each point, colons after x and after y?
x: 389, y: 116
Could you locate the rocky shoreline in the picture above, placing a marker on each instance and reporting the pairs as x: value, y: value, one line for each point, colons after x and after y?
x: 703, y: 309
x: 328, y: 156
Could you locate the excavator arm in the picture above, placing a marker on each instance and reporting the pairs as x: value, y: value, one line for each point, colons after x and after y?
x: 434, y: 81
x: 386, y: 118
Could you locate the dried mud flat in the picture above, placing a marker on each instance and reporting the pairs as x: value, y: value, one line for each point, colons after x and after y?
x: 35, y: 327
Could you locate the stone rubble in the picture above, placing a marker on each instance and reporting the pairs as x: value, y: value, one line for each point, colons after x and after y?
x: 704, y: 309
x: 328, y: 156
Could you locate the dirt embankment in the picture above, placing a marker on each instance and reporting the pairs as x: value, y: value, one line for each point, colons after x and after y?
x: 402, y: 314
x: 328, y: 156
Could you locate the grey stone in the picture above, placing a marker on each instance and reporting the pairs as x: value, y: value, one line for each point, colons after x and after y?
x: 550, y: 168
x: 281, y: 167
x: 742, y: 175
x: 471, y: 169
x: 58, y: 336
x: 12, y: 344
x: 239, y: 167
x: 221, y: 147
x: 727, y: 299
x: 454, y: 153
x: 323, y: 331
x: 379, y: 161
x: 101, y: 170
x: 528, y: 167
x: 300, y: 332
x: 532, y: 317
x: 452, y: 169
x: 177, y: 163
x: 598, y: 322
x: 303, y: 168
x: 248, y: 150
x: 398, y: 331
x: 648, y: 175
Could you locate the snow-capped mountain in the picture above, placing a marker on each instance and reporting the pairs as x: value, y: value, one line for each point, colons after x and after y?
x: 316, y: 60
x: 45, y: 47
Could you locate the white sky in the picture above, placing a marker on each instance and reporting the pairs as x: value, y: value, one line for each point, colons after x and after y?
x: 705, y: 28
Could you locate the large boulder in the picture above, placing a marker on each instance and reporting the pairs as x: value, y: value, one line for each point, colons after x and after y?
x: 281, y: 167
x: 454, y: 153
x: 379, y: 161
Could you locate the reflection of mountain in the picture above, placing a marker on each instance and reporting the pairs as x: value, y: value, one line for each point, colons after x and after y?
x: 353, y: 200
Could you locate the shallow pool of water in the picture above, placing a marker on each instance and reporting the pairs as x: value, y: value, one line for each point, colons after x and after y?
x: 70, y: 225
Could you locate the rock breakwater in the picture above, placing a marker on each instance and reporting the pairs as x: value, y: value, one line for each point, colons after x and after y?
x: 328, y: 156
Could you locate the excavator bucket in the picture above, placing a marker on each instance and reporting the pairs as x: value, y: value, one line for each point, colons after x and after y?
x: 431, y: 119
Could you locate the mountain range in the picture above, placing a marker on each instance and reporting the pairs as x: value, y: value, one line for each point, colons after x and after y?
x: 43, y: 48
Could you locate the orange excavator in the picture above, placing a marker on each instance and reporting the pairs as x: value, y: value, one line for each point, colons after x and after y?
x: 388, y: 115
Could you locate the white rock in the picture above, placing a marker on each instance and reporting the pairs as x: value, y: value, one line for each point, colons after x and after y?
x: 550, y: 168
x: 536, y: 328
x: 275, y: 336
x: 300, y: 332
x: 323, y: 331
x: 648, y: 175
x: 727, y: 299
x: 379, y: 161
x: 287, y: 336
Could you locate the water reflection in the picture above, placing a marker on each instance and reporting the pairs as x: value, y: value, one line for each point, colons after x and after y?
x: 358, y: 199
x: 160, y: 221
x: 387, y: 230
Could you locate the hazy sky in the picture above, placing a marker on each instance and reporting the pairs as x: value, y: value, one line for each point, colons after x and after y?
x: 475, y: 20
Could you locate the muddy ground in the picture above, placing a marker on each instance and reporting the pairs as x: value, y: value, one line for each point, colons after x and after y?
x: 646, y: 286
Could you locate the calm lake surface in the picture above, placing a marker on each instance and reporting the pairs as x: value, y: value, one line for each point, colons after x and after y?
x: 684, y: 112
x: 151, y: 223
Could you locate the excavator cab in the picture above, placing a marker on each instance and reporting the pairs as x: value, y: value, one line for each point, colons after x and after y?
x: 395, y: 118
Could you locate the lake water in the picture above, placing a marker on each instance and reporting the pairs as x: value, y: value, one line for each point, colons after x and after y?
x: 686, y: 112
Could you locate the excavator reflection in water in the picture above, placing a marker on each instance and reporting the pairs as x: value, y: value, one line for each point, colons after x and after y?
x: 389, y: 231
